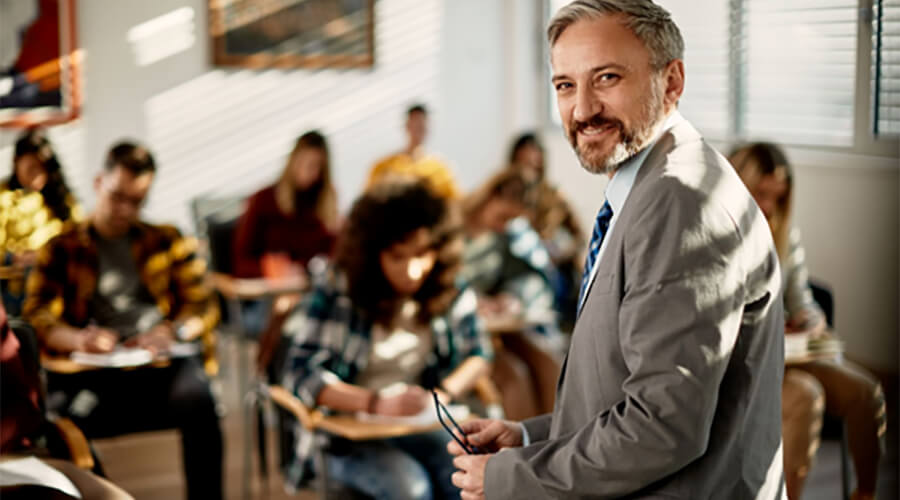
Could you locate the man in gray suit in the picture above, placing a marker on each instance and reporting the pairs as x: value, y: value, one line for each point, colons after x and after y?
x: 672, y: 384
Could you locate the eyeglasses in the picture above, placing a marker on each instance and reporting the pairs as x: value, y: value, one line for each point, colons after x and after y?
x: 464, y: 443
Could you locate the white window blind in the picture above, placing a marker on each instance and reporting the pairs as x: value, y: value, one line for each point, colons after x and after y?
x: 886, y: 67
x: 705, y: 102
x: 799, y: 70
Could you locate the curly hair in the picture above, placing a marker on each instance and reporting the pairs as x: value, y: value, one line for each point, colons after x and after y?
x: 56, y: 192
x: 388, y: 213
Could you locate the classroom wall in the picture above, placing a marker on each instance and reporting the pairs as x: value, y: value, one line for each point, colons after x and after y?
x: 218, y: 131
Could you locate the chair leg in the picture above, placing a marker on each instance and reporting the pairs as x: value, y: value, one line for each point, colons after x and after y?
x: 262, y: 445
x: 321, y: 468
x: 846, y: 473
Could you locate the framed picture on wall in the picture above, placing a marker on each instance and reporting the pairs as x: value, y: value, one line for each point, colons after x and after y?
x: 292, y: 33
x: 40, y: 63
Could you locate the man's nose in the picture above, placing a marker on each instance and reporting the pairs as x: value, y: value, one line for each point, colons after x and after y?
x: 587, y: 105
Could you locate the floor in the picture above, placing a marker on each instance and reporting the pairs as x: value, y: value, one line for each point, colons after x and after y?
x: 149, y: 465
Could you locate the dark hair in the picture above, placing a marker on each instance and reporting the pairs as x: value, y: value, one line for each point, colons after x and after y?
x: 130, y: 156
x: 416, y: 108
x: 768, y: 158
x: 388, y: 213
x: 56, y: 192
x: 526, y: 139
x: 508, y: 184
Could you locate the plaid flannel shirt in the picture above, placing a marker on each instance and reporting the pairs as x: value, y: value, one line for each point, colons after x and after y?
x: 64, y: 280
x: 331, y: 340
x: 517, y: 263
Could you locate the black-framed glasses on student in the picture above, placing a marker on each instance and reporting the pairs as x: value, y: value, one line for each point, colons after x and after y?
x: 461, y: 438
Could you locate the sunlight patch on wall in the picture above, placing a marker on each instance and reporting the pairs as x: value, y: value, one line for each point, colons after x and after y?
x: 163, y: 36
x: 228, y: 132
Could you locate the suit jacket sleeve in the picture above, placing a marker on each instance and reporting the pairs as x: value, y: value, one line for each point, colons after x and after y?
x: 678, y: 320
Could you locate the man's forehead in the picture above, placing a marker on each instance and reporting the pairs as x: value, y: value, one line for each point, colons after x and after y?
x: 126, y: 180
x: 596, y: 42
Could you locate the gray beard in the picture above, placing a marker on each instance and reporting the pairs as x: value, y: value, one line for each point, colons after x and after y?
x: 633, y: 142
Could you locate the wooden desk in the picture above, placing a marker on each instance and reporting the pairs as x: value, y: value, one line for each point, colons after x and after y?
x: 256, y: 288
x: 65, y: 366
x: 345, y: 426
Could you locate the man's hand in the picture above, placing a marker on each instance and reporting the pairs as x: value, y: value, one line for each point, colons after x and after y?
x: 97, y: 340
x: 157, y: 340
x: 470, y: 476
x: 490, y: 435
x: 411, y: 401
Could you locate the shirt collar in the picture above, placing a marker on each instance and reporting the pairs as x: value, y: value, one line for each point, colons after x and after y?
x: 619, y: 186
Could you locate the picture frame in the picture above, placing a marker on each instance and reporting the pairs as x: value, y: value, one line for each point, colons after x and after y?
x: 40, y: 82
x: 260, y: 34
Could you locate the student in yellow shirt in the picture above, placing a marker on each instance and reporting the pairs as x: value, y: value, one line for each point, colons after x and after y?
x: 414, y: 160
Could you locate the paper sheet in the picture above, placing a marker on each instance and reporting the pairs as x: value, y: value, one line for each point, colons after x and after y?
x: 122, y: 356
x: 33, y: 471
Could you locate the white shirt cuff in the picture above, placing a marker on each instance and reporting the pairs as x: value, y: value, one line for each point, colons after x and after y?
x: 526, y: 439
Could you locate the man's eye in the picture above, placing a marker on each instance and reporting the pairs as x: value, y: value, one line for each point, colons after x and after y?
x: 563, y: 86
x: 609, y: 77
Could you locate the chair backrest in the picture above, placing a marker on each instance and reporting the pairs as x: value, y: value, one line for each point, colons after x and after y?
x: 216, y: 221
x: 823, y: 296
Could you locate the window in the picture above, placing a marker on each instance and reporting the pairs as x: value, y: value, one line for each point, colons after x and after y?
x: 788, y: 71
x: 886, y: 68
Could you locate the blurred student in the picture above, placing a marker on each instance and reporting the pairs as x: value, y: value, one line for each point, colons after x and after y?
x: 839, y: 388
x: 505, y: 259
x: 414, y: 160
x: 556, y: 223
x: 382, y: 327
x: 290, y: 222
x: 35, y: 205
x: 114, y: 280
x: 23, y: 426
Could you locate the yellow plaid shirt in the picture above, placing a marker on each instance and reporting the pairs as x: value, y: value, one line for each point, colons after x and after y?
x: 64, y: 280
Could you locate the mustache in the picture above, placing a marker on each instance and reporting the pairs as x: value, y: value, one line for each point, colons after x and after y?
x: 596, y: 121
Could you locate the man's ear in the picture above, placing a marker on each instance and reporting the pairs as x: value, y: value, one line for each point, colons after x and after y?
x: 98, y: 181
x: 674, y: 76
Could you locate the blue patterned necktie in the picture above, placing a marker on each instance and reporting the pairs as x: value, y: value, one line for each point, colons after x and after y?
x: 601, y: 225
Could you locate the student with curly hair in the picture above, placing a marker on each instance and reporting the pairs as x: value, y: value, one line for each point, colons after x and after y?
x: 384, y: 325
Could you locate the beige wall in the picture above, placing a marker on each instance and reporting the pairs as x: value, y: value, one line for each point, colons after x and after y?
x: 848, y: 210
x: 849, y: 220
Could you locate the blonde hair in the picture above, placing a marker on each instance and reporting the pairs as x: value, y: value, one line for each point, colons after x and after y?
x: 757, y: 160
x: 326, y: 197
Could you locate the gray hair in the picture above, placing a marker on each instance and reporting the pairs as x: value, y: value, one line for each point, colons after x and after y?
x: 652, y: 24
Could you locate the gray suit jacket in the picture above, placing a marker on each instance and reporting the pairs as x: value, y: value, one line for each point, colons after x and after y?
x: 672, y: 384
